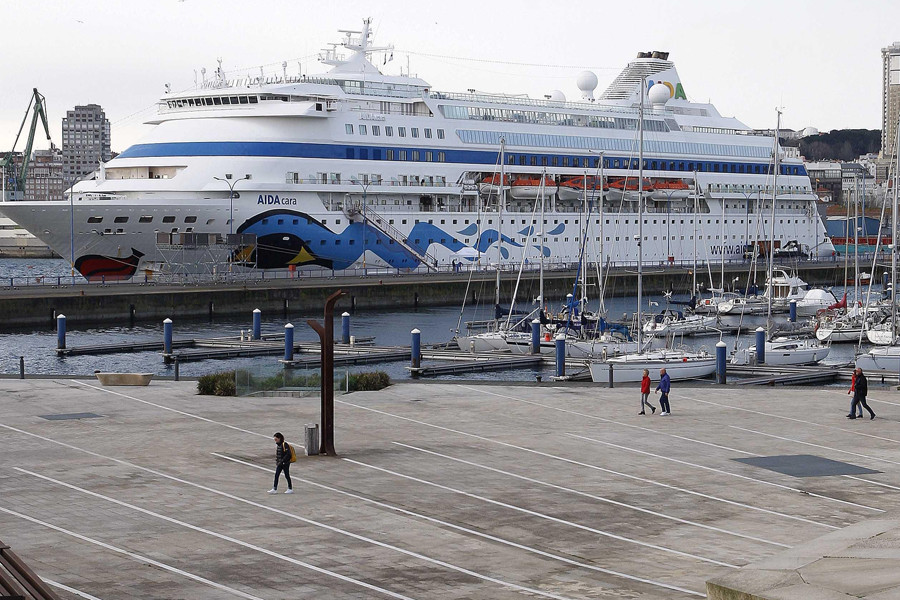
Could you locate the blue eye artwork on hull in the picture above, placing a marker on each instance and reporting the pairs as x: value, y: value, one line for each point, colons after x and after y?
x: 287, y: 237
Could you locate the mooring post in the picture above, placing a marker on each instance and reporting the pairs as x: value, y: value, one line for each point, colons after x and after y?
x: 288, y: 342
x: 720, y: 362
x: 792, y: 315
x: 415, y: 355
x: 257, y: 323
x: 21, y: 367
x: 611, y: 382
x: 326, y: 340
x: 760, y: 346
x: 167, y: 336
x: 536, y: 336
x: 61, y: 332
x: 177, y: 371
x: 560, y: 355
x: 345, y: 328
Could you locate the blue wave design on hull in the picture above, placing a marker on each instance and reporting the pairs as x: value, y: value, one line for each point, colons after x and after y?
x: 287, y: 237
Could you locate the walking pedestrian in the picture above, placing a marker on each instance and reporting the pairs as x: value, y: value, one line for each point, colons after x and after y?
x: 284, y: 456
x: 859, y: 395
x: 850, y: 391
x: 665, y: 385
x: 645, y: 393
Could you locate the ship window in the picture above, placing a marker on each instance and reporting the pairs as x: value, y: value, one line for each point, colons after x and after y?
x: 401, y: 131
x: 402, y: 155
x: 388, y: 130
x: 121, y: 219
x: 210, y: 221
x: 376, y: 130
x: 428, y: 133
x: 389, y: 154
x: 414, y: 132
x: 168, y: 219
x: 217, y: 101
x: 281, y: 221
x: 362, y: 130
x: 415, y: 155
x: 244, y: 100
x: 190, y: 219
x: 145, y: 219
x: 429, y: 156
x: 440, y: 133
x: 95, y: 219
x: 349, y: 128
x: 442, y: 157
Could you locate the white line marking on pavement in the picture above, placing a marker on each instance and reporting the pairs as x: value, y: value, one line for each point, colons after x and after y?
x: 71, y: 590
x: 543, y: 515
x: 469, y: 531
x: 296, y: 517
x: 664, y: 433
x: 220, y: 536
x: 794, y: 419
x: 593, y: 496
x: 714, y: 470
x: 174, y: 410
x: 595, y: 467
x: 127, y: 553
x: 787, y: 439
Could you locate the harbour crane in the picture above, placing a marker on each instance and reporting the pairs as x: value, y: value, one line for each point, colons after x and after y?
x: 37, y: 107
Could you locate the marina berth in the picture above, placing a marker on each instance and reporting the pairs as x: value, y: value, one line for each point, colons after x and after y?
x: 355, y: 168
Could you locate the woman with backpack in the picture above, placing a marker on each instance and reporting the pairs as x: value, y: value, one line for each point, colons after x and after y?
x: 284, y: 456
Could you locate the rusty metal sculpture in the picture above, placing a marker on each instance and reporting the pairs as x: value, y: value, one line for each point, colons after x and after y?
x: 326, y: 340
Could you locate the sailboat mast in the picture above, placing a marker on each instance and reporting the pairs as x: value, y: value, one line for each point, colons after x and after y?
x: 640, y: 290
x: 601, y: 292
x: 856, y: 240
x: 500, y: 202
x: 894, y: 242
x: 541, y: 281
x: 770, y: 284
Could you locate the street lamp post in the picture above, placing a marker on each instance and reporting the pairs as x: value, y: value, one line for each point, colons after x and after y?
x: 230, y: 182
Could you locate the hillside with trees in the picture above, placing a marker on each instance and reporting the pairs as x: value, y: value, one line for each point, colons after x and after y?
x: 841, y: 144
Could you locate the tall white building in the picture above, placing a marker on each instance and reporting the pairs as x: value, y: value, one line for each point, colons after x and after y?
x: 85, y: 141
x: 890, y: 97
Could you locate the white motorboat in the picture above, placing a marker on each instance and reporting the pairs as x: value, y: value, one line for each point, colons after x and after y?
x: 679, y: 364
x: 783, y: 351
x: 813, y: 301
x: 750, y: 305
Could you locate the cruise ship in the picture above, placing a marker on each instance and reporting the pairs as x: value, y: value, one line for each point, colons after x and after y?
x: 357, y: 168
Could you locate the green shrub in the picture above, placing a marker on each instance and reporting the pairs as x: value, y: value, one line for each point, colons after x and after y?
x: 217, y: 384
x: 369, y: 382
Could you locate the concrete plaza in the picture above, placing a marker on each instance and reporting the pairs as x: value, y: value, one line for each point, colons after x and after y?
x: 440, y: 490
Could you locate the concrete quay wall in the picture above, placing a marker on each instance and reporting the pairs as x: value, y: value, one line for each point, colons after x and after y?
x: 38, y: 306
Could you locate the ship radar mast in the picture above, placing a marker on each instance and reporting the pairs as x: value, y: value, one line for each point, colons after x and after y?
x: 360, y: 48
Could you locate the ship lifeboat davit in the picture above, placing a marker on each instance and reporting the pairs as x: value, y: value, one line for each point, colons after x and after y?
x: 529, y: 188
x: 490, y: 185
x: 573, y: 188
x: 627, y: 188
x: 673, y: 189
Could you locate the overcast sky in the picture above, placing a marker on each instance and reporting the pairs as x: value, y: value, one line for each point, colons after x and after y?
x: 818, y: 59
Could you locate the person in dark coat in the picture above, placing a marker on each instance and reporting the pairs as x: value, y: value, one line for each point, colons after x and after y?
x: 282, y: 463
x: 665, y: 386
x: 861, y: 388
x: 850, y: 391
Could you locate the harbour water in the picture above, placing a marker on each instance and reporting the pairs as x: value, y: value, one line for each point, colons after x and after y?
x: 387, y: 327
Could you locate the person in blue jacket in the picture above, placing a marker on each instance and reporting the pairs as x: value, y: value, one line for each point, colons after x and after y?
x: 665, y: 384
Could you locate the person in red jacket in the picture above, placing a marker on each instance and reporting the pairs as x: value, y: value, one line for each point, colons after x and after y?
x: 645, y: 393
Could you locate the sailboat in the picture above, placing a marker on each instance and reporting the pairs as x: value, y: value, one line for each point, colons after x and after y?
x: 887, y: 357
x: 781, y: 351
x: 679, y: 364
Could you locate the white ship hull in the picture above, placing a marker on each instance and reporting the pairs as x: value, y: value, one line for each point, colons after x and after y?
x: 785, y: 352
x: 360, y: 168
x: 886, y: 359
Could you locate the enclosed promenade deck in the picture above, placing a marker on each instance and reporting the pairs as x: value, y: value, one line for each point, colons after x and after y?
x: 450, y: 491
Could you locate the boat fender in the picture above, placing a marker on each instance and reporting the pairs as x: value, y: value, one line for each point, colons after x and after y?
x: 603, y: 354
x: 684, y: 359
x: 547, y: 337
